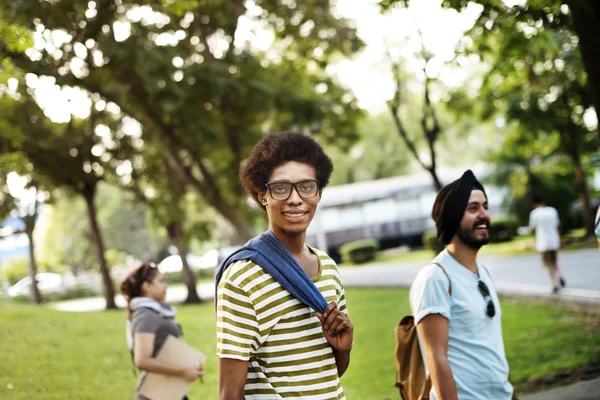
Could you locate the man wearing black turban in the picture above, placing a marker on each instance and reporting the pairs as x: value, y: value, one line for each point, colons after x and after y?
x: 455, y: 305
x: 449, y: 207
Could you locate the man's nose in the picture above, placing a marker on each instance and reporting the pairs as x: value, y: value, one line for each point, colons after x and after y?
x: 484, y: 213
x: 294, y: 196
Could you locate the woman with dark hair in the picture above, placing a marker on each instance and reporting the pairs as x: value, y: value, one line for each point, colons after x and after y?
x: 150, y: 322
x: 282, y: 324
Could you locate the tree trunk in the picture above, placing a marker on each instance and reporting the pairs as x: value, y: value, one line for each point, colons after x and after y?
x: 586, y: 23
x: 571, y: 141
x: 176, y: 235
x: 210, y: 193
x: 243, y: 230
x: 350, y: 176
x: 109, y: 292
x: 431, y: 133
x: 436, y: 181
x: 584, y: 196
x: 35, y: 292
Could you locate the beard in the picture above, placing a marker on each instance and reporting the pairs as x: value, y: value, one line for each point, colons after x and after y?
x: 467, y: 236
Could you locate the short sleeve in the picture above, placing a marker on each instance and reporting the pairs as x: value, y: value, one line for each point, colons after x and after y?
x: 557, y: 217
x: 429, y: 294
x: 531, y: 221
x: 342, y: 301
x: 238, y: 334
x: 145, y: 321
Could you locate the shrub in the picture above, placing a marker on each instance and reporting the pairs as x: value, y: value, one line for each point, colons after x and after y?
x: 75, y: 292
x: 431, y: 241
x: 177, y: 277
x: 503, y: 229
x: 173, y: 277
x: 205, y: 273
x: 15, y: 270
x: 573, y: 220
x: 359, y: 251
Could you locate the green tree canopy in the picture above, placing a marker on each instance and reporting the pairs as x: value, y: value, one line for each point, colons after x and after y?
x: 205, y: 79
x: 530, y: 18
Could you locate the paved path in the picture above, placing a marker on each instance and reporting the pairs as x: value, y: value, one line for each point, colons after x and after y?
x: 174, y: 295
x: 522, y: 275
x: 589, y: 390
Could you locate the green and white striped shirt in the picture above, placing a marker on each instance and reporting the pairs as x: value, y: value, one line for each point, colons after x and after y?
x: 282, y: 339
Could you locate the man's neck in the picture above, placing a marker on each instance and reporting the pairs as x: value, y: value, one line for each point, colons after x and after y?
x: 294, y: 242
x: 465, y: 255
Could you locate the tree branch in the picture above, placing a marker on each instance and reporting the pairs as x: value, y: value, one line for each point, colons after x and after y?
x: 394, y: 106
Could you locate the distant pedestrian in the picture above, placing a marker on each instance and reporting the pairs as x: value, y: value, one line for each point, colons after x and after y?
x: 544, y: 221
x: 150, y: 322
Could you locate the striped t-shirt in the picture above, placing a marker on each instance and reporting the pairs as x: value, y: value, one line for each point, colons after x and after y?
x: 282, y: 339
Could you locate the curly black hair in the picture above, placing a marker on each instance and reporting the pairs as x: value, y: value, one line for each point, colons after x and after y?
x: 276, y: 149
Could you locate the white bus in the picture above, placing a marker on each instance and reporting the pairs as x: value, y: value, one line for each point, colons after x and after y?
x: 394, y: 210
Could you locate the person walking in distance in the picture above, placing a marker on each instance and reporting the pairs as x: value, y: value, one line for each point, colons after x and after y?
x: 544, y: 221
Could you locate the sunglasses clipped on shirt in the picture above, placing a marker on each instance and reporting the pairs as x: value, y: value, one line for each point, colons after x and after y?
x: 490, y: 309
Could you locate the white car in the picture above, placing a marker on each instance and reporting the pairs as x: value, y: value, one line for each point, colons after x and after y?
x: 46, y: 282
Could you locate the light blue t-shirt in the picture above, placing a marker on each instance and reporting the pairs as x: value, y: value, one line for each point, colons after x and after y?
x: 475, y: 346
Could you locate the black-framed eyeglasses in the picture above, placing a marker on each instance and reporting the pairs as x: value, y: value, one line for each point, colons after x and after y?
x: 282, y: 190
x: 490, y: 309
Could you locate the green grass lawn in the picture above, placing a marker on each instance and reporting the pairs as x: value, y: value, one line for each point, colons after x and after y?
x: 57, y: 355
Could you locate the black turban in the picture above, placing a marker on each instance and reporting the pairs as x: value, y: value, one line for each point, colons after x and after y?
x: 451, y: 203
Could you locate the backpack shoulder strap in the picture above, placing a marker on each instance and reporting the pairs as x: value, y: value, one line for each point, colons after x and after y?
x: 487, y: 271
x: 445, y: 273
x: 427, y: 389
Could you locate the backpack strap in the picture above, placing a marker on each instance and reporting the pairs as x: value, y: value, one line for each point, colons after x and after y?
x: 445, y: 273
x: 428, y: 380
x: 427, y: 386
x: 487, y: 271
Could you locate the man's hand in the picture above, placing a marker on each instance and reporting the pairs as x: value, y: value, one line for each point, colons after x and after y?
x: 338, y: 324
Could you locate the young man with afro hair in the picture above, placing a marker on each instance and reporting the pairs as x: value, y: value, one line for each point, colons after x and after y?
x: 270, y: 344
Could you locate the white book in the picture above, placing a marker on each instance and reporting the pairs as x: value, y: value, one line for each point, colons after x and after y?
x: 168, y: 387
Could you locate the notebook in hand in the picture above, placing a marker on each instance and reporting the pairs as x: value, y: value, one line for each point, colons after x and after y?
x: 165, y: 387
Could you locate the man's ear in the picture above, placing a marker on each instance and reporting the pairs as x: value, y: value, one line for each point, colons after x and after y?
x: 262, y: 198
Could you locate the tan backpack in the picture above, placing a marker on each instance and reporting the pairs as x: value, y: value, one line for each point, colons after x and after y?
x: 410, y: 367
